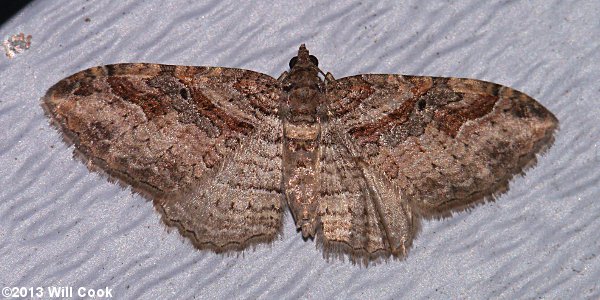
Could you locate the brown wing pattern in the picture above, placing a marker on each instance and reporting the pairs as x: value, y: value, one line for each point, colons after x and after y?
x: 241, y: 204
x: 441, y: 144
x: 359, y: 212
x: 169, y: 132
x: 446, y: 143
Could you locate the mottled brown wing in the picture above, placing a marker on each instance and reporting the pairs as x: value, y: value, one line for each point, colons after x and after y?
x: 444, y: 144
x: 188, y: 138
x: 361, y: 214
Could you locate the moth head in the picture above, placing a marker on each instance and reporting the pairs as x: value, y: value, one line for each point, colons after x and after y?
x: 303, y: 58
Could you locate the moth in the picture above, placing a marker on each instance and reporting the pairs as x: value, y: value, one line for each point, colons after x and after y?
x: 359, y: 161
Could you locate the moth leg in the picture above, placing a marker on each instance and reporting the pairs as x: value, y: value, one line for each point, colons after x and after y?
x: 329, y: 78
x: 283, y: 76
x: 330, y: 82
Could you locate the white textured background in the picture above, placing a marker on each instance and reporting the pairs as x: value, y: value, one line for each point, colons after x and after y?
x: 62, y: 225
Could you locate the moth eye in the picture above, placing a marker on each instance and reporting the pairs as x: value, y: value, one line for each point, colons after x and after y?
x: 185, y: 94
x: 314, y: 60
x: 421, y: 104
x: 293, y: 61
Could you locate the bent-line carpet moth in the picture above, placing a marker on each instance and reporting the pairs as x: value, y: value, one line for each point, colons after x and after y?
x: 358, y: 160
